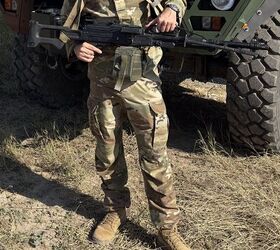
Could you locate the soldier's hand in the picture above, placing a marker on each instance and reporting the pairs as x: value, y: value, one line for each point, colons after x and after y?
x: 166, y: 21
x: 86, y: 52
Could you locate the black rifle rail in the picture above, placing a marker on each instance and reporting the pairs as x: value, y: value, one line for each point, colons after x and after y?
x: 112, y: 34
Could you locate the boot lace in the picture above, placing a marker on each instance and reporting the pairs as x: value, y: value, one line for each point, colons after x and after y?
x: 111, y: 219
x: 174, y: 239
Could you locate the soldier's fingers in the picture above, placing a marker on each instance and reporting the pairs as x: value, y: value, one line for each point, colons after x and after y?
x: 85, y: 55
x: 95, y: 49
x: 153, y: 22
x: 81, y: 58
x: 87, y: 51
x: 86, y: 58
x: 91, y: 47
x: 162, y: 26
x: 88, y: 45
x: 173, y: 27
x: 168, y: 27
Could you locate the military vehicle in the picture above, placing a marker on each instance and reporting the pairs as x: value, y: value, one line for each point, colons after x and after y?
x: 253, y: 82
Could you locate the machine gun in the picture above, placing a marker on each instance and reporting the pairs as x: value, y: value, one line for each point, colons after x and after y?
x: 114, y: 34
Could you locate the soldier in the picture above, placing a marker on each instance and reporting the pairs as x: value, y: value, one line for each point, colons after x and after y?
x: 125, y: 81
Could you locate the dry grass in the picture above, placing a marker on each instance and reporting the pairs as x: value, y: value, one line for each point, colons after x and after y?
x: 50, y: 191
x: 50, y: 195
x: 232, y: 202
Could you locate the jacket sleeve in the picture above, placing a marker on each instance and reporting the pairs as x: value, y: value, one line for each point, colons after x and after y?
x: 181, y: 4
x: 67, y: 8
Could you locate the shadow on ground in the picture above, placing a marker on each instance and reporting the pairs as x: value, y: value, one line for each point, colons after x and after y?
x: 192, y: 117
x: 23, y: 119
x: 189, y: 115
x: 18, y: 178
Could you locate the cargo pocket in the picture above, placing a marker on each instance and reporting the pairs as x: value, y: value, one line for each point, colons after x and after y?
x: 160, y: 128
x: 100, y: 70
x: 94, y: 121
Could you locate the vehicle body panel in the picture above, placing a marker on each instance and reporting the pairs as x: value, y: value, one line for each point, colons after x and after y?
x: 261, y: 15
x: 234, y: 21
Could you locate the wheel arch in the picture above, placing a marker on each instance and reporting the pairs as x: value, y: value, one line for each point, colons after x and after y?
x: 263, y: 13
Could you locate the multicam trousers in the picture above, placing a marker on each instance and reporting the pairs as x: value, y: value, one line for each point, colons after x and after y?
x: 142, y: 103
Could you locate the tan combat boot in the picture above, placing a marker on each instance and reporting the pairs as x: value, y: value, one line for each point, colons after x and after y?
x: 107, y: 229
x: 169, y: 239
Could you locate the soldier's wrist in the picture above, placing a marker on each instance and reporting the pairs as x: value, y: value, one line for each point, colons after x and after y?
x: 173, y: 7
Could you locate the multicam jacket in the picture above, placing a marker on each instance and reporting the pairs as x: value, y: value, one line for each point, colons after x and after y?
x: 136, y: 12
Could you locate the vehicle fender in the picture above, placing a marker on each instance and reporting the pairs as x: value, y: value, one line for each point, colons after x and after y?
x: 268, y: 8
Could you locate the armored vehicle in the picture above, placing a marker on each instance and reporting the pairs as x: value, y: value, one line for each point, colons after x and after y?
x: 253, y: 81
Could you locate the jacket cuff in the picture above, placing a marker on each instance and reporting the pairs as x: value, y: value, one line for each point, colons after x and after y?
x: 181, y: 4
x: 69, y: 46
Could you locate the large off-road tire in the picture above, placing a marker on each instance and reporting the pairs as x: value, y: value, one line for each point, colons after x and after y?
x: 253, y: 103
x: 51, y: 81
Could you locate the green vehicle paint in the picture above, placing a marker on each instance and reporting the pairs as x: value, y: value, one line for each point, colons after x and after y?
x: 234, y: 21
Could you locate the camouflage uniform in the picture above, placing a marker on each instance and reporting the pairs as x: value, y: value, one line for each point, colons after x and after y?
x: 141, y: 101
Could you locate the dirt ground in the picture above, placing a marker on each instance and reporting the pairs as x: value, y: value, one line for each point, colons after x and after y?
x: 50, y: 196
